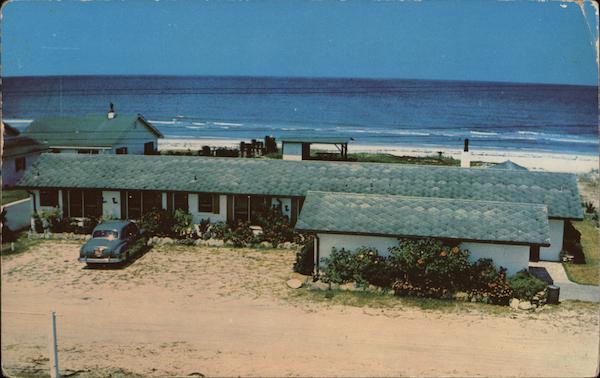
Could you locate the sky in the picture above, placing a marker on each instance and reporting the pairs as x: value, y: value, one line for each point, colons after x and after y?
x: 509, y: 41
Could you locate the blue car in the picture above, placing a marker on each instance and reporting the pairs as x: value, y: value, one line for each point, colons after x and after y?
x: 110, y: 243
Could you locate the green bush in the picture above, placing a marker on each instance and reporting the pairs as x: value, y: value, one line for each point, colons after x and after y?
x: 372, y: 269
x: 525, y: 286
x: 305, y: 258
x: 488, y: 281
x: 240, y: 235
x: 430, y: 266
x: 276, y: 227
x: 8, y: 235
x: 38, y: 226
x: 52, y: 220
x: 338, y: 267
x: 218, y: 230
x: 158, y: 222
x: 182, y: 225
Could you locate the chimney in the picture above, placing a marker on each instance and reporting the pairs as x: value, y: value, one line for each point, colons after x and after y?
x: 111, y: 112
x: 465, y: 157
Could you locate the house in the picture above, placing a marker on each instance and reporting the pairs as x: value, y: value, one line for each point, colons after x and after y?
x: 298, y: 148
x: 18, y: 153
x: 96, y: 134
x: 229, y: 190
x: 503, y: 231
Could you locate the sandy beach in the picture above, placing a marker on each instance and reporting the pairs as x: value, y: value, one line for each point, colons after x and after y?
x: 546, y: 161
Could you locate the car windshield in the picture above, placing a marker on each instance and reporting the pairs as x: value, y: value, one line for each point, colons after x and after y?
x: 108, y: 234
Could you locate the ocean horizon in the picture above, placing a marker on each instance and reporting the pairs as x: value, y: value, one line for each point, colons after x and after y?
x: 385, y: 112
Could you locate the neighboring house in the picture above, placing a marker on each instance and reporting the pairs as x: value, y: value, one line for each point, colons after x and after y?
x: 96, y: 134
x: 225, y: 189
x: 18, y: 153
x: 298, y: 148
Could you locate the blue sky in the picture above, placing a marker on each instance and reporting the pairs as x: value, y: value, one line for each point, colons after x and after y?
x: 518, y: 41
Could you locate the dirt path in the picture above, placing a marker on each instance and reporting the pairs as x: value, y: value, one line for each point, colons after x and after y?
x: 226, y: 312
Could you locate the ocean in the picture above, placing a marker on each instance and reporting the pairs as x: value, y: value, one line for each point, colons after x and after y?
x: 419, y: 113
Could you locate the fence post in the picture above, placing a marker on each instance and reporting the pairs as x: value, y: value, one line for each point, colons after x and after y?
x: 54, y: 372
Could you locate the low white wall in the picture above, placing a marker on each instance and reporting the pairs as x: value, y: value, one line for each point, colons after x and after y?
x: 512, y: 257
x: 352, y: 242
x: 18, y: 214
x: 552, y: 253
x: 213, y: 218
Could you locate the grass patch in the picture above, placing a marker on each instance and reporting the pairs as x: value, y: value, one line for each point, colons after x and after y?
x: 379, y: 300
x: 587, y: 273
x: 12, y: 195
x: 422, y: 160
x: 23, y: 244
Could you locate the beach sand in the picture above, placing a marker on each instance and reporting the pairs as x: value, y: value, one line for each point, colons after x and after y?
x: 546, y: 161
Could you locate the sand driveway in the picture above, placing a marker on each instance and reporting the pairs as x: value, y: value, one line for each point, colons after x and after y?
x: 222, y: 312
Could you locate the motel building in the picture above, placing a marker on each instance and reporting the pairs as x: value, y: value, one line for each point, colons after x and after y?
x: 511, y: 216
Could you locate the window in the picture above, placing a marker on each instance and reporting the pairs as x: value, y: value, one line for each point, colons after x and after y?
x: 92, y: 203
x: 181, y: 201
x: 208, y: 203
x: 55, y: 150
x: 75, y: 203
x: 106, y: 234
x: 49, y: 198
x: 151, y: 200
x: 20, y: 164
x: 121, y: 151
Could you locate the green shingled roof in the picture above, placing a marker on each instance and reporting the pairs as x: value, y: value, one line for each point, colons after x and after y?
x: 387, y: 215
x: 16, y: 145
x: 87, y: 131
x: 294, y: 178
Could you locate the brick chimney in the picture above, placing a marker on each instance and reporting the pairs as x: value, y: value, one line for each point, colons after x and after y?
x: 465, y: 157
x: 111, y: 112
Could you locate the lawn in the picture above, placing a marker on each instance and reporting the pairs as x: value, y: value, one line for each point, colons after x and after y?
x: 587, y: 273
x: 22, y: 244
x: 12, y: 195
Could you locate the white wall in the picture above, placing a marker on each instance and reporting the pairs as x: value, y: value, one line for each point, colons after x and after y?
x: 352, y: 242
x: 213, y: 218
x: 111, y: 204
x: 18, y: 214
x: 292, y: 151
x: 513, y: 257
x: 552, y: 253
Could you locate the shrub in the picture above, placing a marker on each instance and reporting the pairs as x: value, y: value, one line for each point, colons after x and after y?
x: 429, y: 266
x: 52, y: 220
x: 486, y: 280
x: 203, y: 228
x: 38, y: 226
x: 305, y: 258
x: 372, y: 269
x: 338, y: 267
x: 182, y: 224
x: 158, y: 222
x: 276, y: 227
x: 525, y: 286
x: 218, y: 230
x: 589, y: 207
x: 240, y: 235
x: 8, y: 235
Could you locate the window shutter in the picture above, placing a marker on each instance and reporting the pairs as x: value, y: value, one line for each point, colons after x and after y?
x: 216, y: 203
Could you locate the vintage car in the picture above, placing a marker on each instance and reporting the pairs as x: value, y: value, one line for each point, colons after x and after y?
x: 111, y: 242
